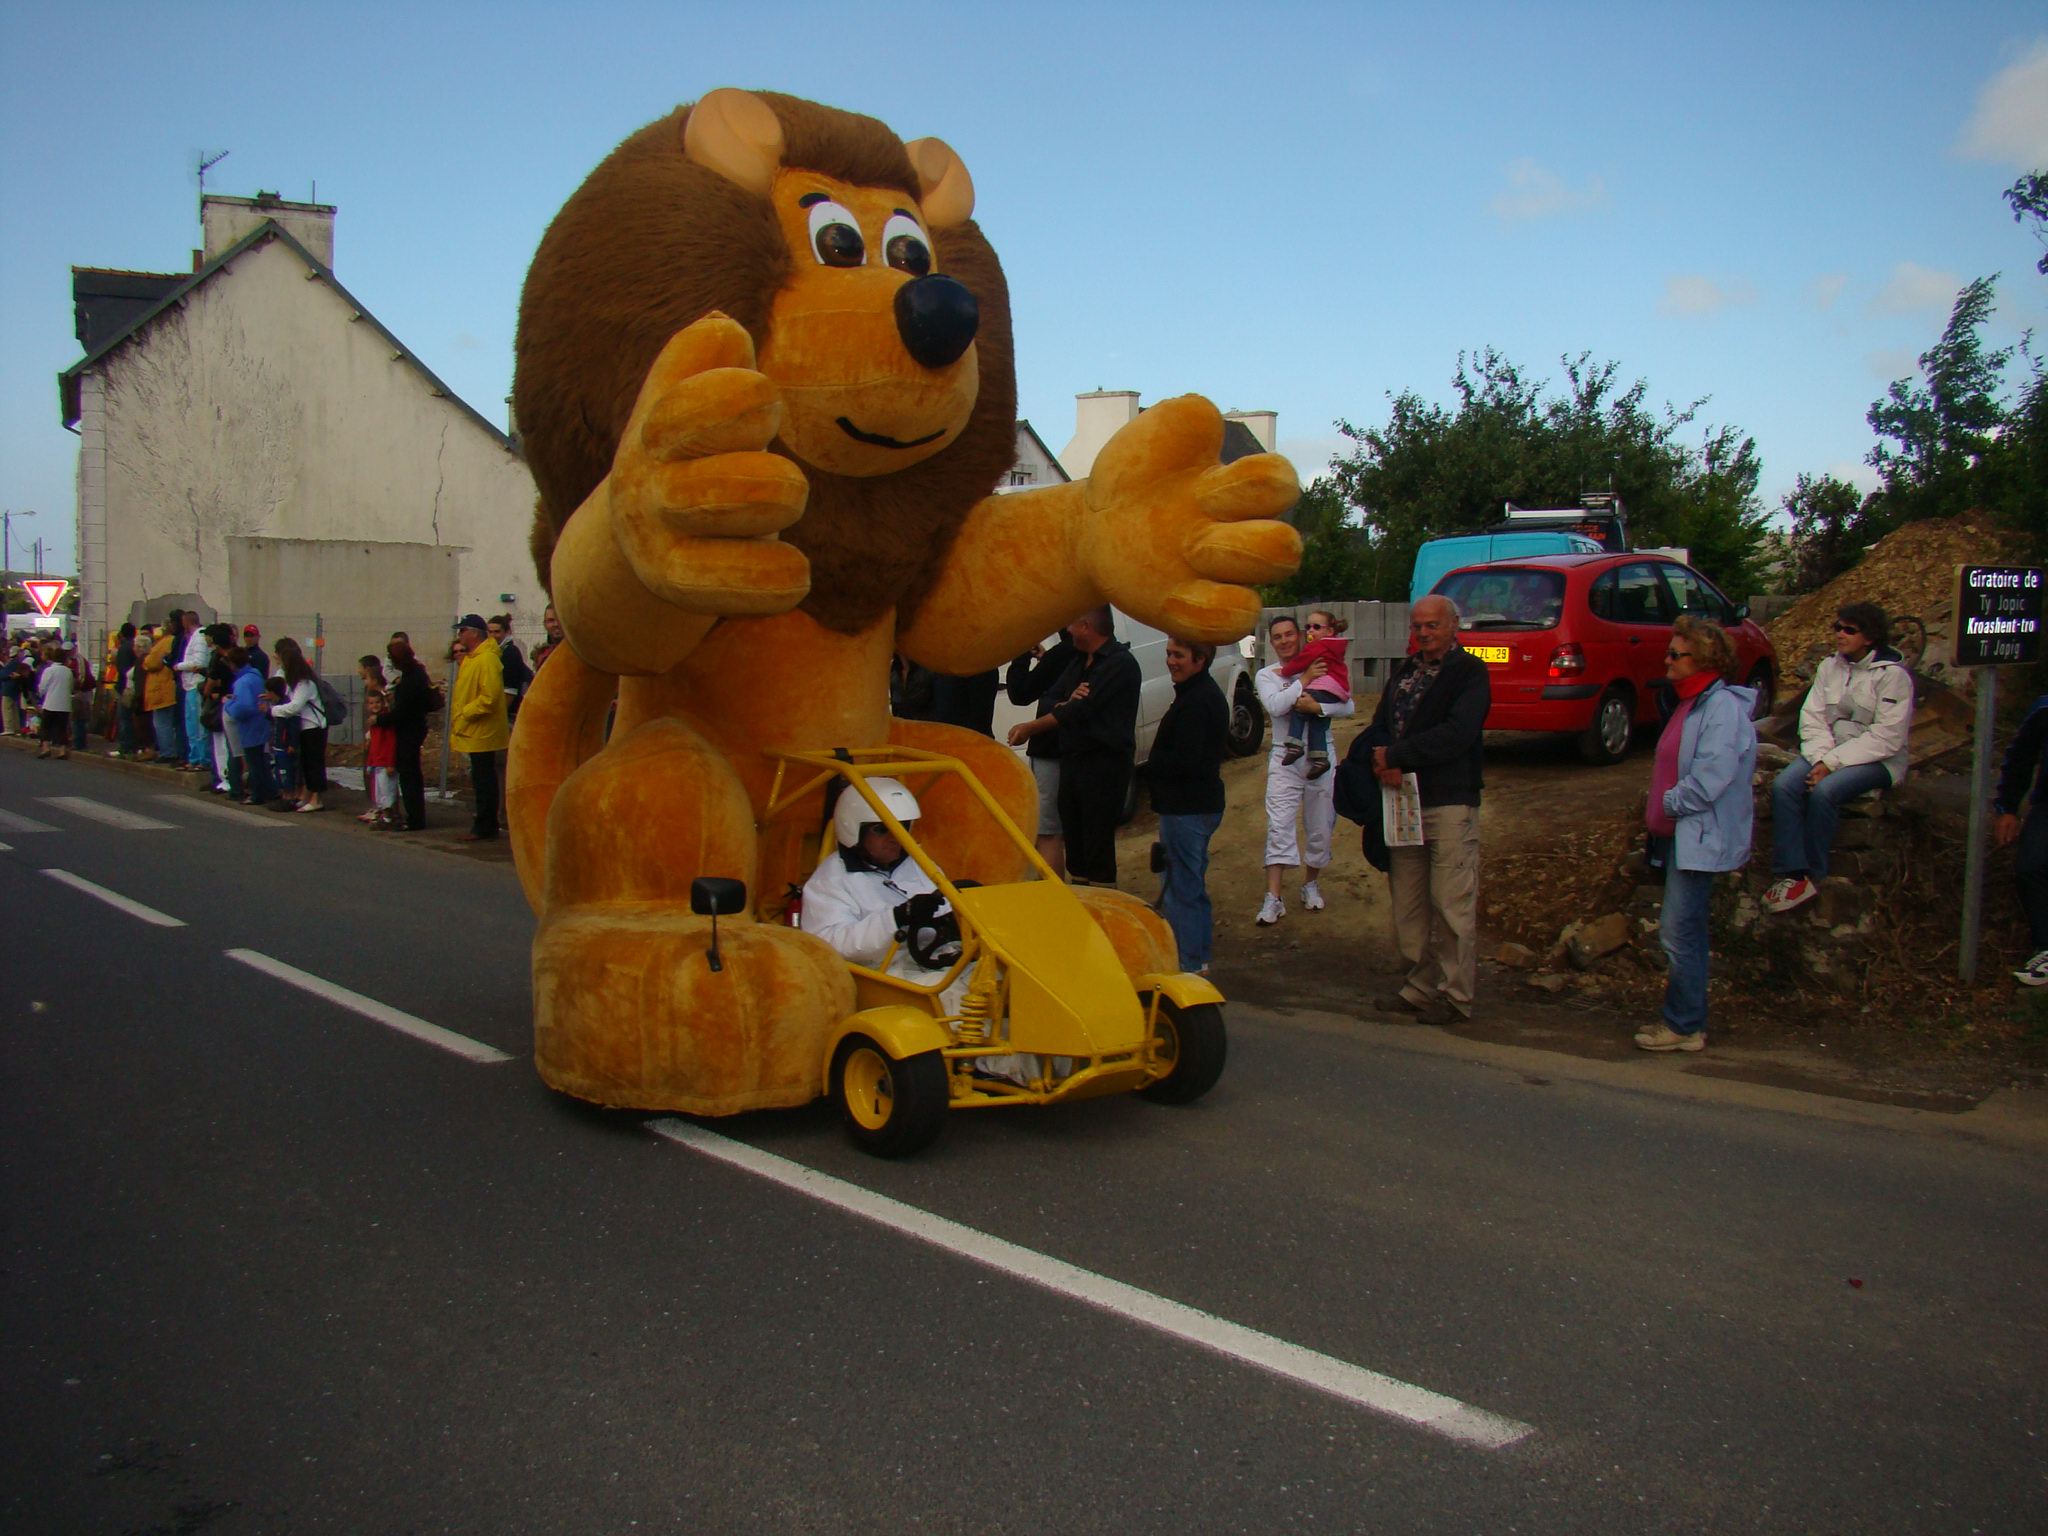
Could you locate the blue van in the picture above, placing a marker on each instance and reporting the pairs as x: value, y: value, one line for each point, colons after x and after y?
x: 1438, y: 556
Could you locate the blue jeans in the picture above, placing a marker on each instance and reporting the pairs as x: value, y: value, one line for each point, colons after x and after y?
x: 198, y: 740
x: 124, y: 727
x: 1803, y: 820
x: 1684, y: 933
x: 81, y: 720
x: 256, y: 774
x: 1183, y: 888
x: 169, y: 745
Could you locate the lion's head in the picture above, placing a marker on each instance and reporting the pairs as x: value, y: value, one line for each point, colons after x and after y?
x: 874, y: 302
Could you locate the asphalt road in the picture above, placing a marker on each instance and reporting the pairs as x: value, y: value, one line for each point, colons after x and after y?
x: 273, y: 1266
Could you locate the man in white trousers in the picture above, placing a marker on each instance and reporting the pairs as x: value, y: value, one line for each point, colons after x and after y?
x: 1300, y: 811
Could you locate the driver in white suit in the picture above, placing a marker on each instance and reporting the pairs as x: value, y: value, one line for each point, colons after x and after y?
x: 870, y: 895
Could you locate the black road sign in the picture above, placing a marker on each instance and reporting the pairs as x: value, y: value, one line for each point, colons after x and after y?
x: 1998, y: 615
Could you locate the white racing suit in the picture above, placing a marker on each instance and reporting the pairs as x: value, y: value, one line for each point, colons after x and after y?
x: 1291, y: 795
x: 854, y: 910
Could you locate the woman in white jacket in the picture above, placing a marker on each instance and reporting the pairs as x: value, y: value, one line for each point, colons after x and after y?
x: 53, y: 694
x: 1852, y: 740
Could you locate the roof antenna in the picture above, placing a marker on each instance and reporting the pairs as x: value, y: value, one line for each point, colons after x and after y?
x: 206, y: 163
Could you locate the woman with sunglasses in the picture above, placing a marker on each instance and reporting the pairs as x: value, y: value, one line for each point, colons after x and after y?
x: 1700, y: 804
x: 1852, y: 740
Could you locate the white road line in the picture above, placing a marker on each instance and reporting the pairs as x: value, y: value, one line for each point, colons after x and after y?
x: 108, y: 815
x: 6, y: 847
x: 370, y: 1008
x: 115, y: 899
x: 1414, y: 1405
x: 209, y: 806
x: 14, y: 823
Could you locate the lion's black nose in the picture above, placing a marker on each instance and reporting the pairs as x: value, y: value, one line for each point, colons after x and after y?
x: 937, y: 319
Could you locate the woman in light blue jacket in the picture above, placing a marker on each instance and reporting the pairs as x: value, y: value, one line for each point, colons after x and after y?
x: 1701, y: 800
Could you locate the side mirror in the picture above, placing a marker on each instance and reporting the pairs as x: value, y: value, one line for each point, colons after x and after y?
x: 1741, y: 611
x: 714, y: 897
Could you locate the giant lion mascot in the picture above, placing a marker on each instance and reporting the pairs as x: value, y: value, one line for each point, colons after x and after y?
x: 765, y: 386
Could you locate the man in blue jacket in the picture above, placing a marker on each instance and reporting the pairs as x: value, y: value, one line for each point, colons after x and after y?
x: 2024, y: 760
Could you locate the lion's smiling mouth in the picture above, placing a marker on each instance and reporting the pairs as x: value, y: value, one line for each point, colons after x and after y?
x: 877, y: 440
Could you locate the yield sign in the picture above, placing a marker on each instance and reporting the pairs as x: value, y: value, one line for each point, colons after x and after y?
x: 46, y: 595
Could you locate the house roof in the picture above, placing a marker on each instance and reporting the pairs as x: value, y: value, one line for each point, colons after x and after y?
x: 1238, y: 442
x: 142, y: 314
x: 1038, y: 442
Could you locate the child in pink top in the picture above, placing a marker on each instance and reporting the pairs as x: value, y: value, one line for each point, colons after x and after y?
x: 1325, y: 644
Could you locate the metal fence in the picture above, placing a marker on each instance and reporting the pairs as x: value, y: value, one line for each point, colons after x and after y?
x: 1376, y: 636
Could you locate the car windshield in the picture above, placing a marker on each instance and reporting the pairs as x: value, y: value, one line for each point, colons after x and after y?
x: 1489, y: 597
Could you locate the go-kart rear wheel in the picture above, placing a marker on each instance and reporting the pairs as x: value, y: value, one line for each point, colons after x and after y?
x: 1191, y: 1044
x: 892, y: 1108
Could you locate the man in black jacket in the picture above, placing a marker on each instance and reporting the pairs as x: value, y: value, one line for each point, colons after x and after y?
x: 1097, y: 721
x: 1430, y: 721
x: 1044, y: 678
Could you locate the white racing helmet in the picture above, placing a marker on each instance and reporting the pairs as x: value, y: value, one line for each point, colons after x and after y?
x: 853, y: 812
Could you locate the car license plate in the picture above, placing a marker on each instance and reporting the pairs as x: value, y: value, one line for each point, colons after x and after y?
x: 1492, y: 655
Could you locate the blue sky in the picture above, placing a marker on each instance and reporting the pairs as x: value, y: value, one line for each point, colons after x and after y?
x: 1291, y: 207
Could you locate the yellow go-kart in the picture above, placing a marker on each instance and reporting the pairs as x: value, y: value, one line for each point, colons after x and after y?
x: 1047, y: 1013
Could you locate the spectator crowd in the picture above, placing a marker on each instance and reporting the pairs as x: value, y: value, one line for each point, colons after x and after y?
x: 209, y: 699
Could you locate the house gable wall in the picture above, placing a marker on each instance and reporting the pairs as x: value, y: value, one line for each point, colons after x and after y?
x: 264, y: 406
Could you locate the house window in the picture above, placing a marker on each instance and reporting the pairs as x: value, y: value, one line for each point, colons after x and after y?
x: 1021, y: 477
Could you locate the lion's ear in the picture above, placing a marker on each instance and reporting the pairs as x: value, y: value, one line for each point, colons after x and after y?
x: 946, y: 190
x: 738, y: 135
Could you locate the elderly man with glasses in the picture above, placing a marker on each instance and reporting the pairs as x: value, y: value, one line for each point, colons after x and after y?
x: 1852, y: 740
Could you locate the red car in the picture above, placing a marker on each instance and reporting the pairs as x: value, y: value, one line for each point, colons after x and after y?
x: 1576, y: 643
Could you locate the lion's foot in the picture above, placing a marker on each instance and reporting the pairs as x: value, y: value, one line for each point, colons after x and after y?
x: 1140, y: 936
x: 628, y: 1011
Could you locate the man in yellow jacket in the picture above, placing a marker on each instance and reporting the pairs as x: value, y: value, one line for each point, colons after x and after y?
x: 477, y: 725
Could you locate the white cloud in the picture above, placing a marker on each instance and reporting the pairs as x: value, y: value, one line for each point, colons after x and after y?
x: 1827, y: 288
x: 2011, y: 120
x: 1914, y: 287
x: 1537, y: 192
x: 1691, y: 294
x: 1892, y: 363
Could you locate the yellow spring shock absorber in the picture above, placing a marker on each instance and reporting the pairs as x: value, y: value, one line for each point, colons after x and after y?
x: 976, y: 1008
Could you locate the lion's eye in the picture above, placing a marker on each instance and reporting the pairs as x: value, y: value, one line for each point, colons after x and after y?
x: 904, y: 245
x: 835, y: 234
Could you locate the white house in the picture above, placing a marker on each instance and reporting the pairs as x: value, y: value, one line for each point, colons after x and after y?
x: 254, y: 443
x: 1100, y: 414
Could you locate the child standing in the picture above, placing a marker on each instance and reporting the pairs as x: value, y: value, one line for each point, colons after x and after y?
x: 380, y: 746
x: 284, y: 748
x: 1325, y: 644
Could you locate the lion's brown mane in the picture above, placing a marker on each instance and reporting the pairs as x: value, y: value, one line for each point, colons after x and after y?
x: 651, y: 242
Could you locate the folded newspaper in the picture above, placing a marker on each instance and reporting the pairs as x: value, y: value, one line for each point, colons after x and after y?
x: 1401, y: 812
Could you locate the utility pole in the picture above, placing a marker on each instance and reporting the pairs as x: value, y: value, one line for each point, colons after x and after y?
x: 6, y: 542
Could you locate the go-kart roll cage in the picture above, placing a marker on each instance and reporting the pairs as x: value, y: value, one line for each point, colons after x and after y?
x: 985, y: 1008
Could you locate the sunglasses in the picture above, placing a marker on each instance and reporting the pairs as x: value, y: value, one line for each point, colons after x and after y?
x: 1847, y: 629
x: 1312, y: 624
x: 1677, y: 655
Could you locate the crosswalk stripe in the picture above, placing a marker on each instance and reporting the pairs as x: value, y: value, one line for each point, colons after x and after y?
x: 107, y: 815
x: 207, y: 805
x: 14, y: 823
x: 115, y: 899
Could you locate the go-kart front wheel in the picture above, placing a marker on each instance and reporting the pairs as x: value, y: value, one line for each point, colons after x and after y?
x: 1189, y: 1042
x: 892, y: 1107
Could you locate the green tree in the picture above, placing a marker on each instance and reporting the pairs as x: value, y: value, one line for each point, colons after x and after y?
x: 2029, y: 199
x: 1436, y: 469
x: 1933, y: 435
x: 1829, y: 529
x: 1333, y: 565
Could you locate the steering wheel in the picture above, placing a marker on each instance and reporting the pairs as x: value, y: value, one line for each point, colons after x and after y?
x: 935, y: 943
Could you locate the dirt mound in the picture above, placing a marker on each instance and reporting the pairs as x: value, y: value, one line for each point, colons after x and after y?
x: 1911, y: 575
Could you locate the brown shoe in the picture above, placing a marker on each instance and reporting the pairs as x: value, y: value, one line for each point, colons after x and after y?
x: 1395, y: 1002
x: 1438, y: 1011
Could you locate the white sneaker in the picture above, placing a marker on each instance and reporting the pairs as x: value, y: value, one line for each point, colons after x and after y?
x: 1271, y: 911
x: 1793, y: 891
x: 1312, y: 898
x: 2035, y: 972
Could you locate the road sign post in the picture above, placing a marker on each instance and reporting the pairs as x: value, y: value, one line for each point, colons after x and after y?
x: 1998, y: 623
